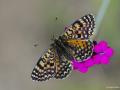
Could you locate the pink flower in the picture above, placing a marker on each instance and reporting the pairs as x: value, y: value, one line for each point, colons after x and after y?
x: 102, y: 55
x: 104, y: 52
x: 79, y: 66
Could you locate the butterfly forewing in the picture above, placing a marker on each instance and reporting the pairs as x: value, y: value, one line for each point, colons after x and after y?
x: 81, y: 28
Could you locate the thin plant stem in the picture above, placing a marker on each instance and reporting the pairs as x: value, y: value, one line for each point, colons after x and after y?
x: 100, y: 16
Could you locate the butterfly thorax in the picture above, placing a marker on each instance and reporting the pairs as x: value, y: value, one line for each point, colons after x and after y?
x: 61, y: 47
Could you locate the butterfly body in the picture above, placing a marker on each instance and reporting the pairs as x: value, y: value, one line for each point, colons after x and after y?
x: 74, y: 44
x: 61, y: 47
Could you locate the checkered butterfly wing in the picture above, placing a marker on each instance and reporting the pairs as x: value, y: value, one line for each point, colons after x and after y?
x: 49, y: 66
x: 80, y: 49
x: 63, y: 68
x: 81, y: 28
x: 77, y: 36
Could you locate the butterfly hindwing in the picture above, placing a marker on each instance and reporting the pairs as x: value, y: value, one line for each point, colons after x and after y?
x: 81, y: 28
x: 63, y: 68
x: 50, y: 66
x: 80, y: 49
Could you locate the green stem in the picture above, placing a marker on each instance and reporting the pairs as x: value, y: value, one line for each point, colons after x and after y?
x: 100, y: 16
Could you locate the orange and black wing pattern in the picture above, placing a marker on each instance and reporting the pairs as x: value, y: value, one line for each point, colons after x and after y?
x: 77, y: 36
x: 82, y: 28
x: 50, y: 66
x: 80, y: 49
x: 63, y: 68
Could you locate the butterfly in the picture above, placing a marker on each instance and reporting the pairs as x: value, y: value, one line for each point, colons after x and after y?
x: 73, y: 44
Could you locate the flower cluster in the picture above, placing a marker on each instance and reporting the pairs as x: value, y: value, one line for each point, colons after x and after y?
x: 101, y: 55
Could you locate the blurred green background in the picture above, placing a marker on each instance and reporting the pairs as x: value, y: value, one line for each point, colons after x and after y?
x: 24, y: 23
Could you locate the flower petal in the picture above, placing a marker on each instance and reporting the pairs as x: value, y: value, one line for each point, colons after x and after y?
x: 101, y: 46
x: 104, y: 59
x: 109, y: 52
x: 89, y: 62
x: 75, y: 64
x: 97, y: 59
x: 83, y: 69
